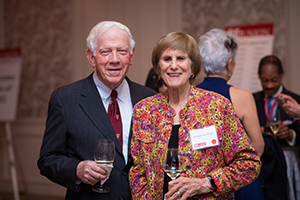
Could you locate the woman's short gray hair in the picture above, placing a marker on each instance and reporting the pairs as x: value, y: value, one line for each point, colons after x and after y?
x: 97, y: 30
x: 216, y: 48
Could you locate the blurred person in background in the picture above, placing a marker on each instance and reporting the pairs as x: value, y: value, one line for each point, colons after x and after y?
x: 155, y: 82
x: 271, y: 73
x: 218, y: 49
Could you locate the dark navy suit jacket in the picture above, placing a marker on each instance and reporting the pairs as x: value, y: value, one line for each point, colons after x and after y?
x: 259, y: 100
x: 76, y: 121
x: 273, y: 174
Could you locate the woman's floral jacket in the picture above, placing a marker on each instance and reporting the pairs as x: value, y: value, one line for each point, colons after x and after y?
x: 232, y: 164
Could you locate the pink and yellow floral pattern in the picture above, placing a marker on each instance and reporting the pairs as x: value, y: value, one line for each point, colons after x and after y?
x: 233, y: 164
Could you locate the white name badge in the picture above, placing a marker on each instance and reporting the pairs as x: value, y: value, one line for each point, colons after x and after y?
x: 204, y: 137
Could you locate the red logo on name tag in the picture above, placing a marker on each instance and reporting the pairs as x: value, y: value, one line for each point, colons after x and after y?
x: 200, y: 144
x: 214, y: 141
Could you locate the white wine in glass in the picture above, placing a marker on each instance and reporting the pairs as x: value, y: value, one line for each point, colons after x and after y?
x: 172, y: 163
x: 173, y: 173
x: 104, y: 155
x: 104, y: 162
x: 274, y: 125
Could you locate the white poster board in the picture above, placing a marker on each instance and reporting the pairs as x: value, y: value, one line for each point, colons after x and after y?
x: 10, y: 73
x: 254, y: 42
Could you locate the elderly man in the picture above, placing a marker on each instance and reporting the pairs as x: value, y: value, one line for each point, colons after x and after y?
x: 78, y: 117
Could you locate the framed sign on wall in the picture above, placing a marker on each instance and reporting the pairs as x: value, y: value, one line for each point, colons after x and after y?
x: 254, y: 42
x: 10, y: 74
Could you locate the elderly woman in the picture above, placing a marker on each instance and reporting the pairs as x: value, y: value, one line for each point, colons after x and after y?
x: 218, y: 49
x: 215, y: 165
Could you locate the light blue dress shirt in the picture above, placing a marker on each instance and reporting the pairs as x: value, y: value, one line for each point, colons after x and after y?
x: 125, y: 105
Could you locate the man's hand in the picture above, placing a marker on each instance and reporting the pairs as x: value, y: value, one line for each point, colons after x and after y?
x: 291, y: 107
x: 266, y: 132
x: 89, y: 172
x: 284, y: 132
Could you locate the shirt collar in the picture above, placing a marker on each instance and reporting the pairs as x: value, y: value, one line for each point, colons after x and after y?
x: 278, y: 91
x: 106, y: 91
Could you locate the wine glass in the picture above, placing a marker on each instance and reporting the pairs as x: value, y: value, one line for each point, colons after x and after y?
x: 274, y: 125
x: 172, y: 163
x: 104, y: 155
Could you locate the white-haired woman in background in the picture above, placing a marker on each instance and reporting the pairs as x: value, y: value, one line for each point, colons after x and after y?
x: 218, y: 49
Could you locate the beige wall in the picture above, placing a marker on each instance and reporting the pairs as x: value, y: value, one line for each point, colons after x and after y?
x: 1, y: 24
x: 292, y: 74
x: 148, y: 21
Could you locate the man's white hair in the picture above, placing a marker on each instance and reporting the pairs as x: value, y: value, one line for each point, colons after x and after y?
x: 97, y: 30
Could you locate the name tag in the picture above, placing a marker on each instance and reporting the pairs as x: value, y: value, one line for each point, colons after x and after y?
x: 204, y: 137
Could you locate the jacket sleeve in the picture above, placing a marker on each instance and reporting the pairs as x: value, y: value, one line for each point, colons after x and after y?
x: 53, y: 161
x: 242, y: 163
x: 137, y: 175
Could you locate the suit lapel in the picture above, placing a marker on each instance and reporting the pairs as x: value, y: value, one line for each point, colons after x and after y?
x: 90, y: 101
x: 135, y: 93
x: 261, y: 109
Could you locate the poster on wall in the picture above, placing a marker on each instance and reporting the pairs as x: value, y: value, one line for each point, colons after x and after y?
x: 10, y: 74
x: 254, y: 42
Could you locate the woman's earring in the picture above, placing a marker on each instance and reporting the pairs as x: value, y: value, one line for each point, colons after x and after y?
x: 229, y: 75
x: 159, y: 78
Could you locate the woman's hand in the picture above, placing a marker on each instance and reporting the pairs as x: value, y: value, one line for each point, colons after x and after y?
x: 184, y: 188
